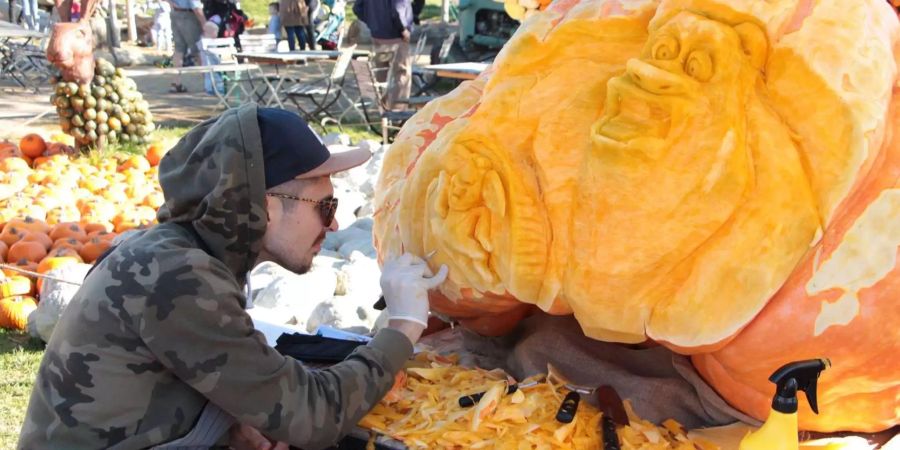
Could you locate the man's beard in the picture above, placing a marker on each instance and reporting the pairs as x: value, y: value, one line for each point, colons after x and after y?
x: 306, y: 266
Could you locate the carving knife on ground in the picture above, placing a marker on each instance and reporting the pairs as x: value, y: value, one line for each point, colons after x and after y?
x: 614, y: 415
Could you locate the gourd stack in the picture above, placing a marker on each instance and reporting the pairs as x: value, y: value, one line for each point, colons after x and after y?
x: 109, y: 109
x: 720, y: 177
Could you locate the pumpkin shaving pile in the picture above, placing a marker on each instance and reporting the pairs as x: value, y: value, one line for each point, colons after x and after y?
x: 422, y: 411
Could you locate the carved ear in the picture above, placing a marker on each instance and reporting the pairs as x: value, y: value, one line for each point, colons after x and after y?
x: 64, y: 9
x: 88, y: 9
x: 754, y: 42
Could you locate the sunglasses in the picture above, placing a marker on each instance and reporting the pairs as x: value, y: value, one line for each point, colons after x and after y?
x: 326, y: 207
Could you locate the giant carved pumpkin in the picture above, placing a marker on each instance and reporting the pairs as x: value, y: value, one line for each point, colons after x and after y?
x: 717, y: 176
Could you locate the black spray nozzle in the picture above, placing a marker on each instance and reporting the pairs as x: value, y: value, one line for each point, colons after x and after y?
x: 797, y: 376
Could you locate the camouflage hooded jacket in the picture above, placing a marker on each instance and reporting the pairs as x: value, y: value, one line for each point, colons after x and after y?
x: 159, y: 327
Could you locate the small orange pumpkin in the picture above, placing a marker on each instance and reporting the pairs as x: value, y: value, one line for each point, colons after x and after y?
x: 40, y: 238
x: 67, y: 230
x: 11, y: 234
x: 135, y: 162
x: 72, y: 243
x: 8, y: 149
x: 94, y: 248
x: 155, y: 154
x: 102, y: 235
x: 32, y: 145
x: 4, y: 249
x: 28, y: 250
x: 93, y: 228
x: 52, y: 262
x: 36, y: 225
x: 14, y: 311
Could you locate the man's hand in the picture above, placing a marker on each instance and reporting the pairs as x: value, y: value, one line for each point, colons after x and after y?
x: 405, y: 35
x: 245, y: 437
x: 405, y: 282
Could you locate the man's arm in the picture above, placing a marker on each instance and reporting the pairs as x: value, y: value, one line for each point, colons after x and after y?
x: 208, y: 341
x: 197, y: 7
x: 200, y: 17
x: 401, y: 9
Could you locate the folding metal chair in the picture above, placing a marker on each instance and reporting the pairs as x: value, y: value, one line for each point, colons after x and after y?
x: 323, y: 92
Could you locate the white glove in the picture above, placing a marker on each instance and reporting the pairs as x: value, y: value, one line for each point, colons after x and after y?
x: 405, y: 282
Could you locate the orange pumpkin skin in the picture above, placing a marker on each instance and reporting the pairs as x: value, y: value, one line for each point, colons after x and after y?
x: 40, y: 238
x: 14, y: 312
x: 35, y: 225
x: 93, y: 248
x: 155, y: 152
x: 8, y: 149
x: 54, y: 261
x: 67, y: 230
x: 861, y: 343
x: 70, y: 243
x: 32, y: 145
x: 802, y: 316
x: 31, y: 251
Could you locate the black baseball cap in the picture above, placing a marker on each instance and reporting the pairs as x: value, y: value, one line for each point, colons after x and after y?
x: 291, y: 149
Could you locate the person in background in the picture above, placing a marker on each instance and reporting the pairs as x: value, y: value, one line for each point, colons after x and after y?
x: 312, y: 9
x: 417, y: 6
x: 391, y: 23
x: 212, y: 82
x: 75, y: 11
x: 30, y: 14
x: 162, y: 25
x: 187, y: 27
x: 294, y: 18
x: 274, y: 21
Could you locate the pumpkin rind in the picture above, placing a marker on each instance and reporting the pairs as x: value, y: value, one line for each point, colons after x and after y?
x: 684, y: 171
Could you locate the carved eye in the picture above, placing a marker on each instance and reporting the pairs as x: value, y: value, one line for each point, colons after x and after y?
x: 666, y: 47
x: 699, y: 65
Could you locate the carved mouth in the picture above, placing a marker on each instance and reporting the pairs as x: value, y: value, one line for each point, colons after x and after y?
x: 634, y: 118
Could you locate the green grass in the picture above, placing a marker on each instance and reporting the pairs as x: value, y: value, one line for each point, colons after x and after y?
x: 169, y: 133
x: 19, y: 360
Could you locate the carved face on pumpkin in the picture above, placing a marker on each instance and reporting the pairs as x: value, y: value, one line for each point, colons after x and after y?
x: 662, y: 170
x: 71, y: 50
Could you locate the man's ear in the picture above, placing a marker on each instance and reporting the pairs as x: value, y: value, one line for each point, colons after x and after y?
x: 754, y: 42
x: 273, y: 209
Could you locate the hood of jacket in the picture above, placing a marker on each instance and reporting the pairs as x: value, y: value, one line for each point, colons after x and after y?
x: 213, y: 179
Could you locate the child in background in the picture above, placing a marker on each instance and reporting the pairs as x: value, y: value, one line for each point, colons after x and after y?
x: 162, y: 25
x: 212, y: 83
x: 274, y: 21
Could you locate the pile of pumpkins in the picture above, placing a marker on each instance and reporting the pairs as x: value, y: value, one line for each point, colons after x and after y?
x: 59, y: 207
x: 108, y: 109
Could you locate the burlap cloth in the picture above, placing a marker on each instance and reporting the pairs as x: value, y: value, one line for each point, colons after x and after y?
x: 659, y: 383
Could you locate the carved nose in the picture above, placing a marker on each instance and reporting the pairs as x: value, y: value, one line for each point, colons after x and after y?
x: 654, y: 79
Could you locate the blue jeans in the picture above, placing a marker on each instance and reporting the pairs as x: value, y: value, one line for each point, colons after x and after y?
x: 300, y: 32
x: 30, y: 14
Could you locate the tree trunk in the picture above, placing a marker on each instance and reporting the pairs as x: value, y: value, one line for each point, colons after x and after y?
x: 132, y: 28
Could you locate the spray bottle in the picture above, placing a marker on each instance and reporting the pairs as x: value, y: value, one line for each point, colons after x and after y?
x: 780, y: 430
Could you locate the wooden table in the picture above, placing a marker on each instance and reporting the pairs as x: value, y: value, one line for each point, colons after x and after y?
x: 459, y: 71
